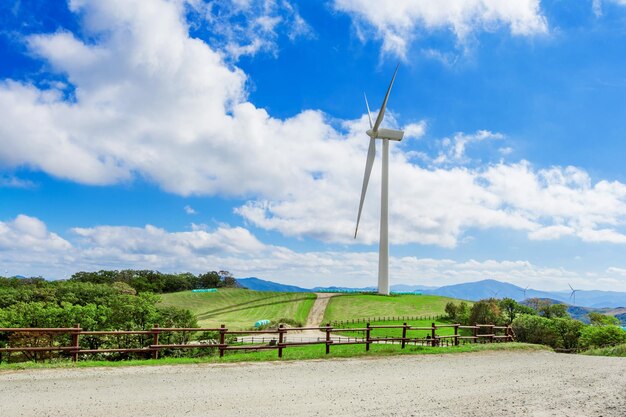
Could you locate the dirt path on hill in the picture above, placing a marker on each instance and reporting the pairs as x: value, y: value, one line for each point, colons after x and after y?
x: 476, y: 384
x: 316, y: 315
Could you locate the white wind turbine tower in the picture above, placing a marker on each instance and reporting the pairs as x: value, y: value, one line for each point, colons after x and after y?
x: 375, y: 132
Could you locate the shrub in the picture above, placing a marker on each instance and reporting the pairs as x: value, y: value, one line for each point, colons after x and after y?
x: 601, y: 336
x: 535, y: 329
x: 567, y: 332
x: 598, y: 319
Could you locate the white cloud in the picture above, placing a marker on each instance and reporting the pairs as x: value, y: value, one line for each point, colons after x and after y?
x: 398, y: 22
x: 596, y: 6
x: 454, y: 149
x: 248, y: 27
x: 31, y: 234
x: 153, y: 102
x: 415, y: 130
x: 9, y: 181
x: 190, y: 210
x: 237, y: 250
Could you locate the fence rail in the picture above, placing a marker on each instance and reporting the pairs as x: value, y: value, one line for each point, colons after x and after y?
x: 152, y: 347
x: 430, y: 317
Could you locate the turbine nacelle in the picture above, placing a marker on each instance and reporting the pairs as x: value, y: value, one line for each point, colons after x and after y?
x: 390, y: 134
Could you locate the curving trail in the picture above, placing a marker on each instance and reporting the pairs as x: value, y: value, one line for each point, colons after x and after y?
x: 316, y: 315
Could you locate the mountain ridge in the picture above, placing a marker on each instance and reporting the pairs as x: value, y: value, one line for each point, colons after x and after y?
x: 472, y: 291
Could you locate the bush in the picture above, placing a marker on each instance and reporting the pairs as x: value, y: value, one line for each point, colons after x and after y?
x: 601, y: 336
x: 567, y: 332
x: 535, y: 329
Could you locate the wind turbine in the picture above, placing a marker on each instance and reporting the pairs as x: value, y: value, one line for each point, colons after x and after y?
x: 573, y: 294
x: 524, y: 290
x: 375, y: 132
x: 495, y: 293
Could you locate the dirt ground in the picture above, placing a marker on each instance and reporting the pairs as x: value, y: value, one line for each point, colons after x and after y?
x: 477, y: 384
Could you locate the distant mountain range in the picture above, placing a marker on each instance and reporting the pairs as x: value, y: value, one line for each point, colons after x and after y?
x: 472, y: 291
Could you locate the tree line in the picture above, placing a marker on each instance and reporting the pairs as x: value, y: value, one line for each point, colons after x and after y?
x: 158, y: 282
x: 541, y: 322
x: 102, y: 300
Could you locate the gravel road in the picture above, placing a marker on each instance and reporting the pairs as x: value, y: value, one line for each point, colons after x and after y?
x: 476, y: 384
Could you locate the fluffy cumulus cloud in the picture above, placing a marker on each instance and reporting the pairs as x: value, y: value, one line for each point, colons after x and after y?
x: 236, y: 249
x: 142, y: 98
x: 398, y: 22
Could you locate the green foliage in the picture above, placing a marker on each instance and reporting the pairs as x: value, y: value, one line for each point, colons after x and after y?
x: 567, y: 332
x: 158, y: 282
x: 510, y: 309
x: 485, y: 312
x: 451, y: 310
x: 458, y: 313
x: 601, y: 336
x: 535, y: 329
x: 559, y: 333
x: 599, y: 319
x: 616, y: 351
x: 546, y: 309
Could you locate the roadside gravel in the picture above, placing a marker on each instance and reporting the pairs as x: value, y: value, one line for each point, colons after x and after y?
x: 475, y: 384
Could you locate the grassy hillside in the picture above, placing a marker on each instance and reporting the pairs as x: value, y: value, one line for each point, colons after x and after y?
x: 239, y: 308
x: 353, y: 306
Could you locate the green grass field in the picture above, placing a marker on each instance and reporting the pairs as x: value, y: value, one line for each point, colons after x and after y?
x: 240, y: 309
x: 354, y: 306
x: 297, y: 353
x: 398, y: 332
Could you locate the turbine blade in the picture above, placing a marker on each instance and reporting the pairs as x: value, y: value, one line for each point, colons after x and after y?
x: 371, y: 153
x: 381, y: 113
x: 570, y: 286
x: 369, y: 113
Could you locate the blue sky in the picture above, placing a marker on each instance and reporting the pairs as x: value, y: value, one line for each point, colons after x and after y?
x: 203, y: 135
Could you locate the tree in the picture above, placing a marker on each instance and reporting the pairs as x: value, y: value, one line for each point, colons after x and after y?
x: 598, y: 319
x: 485, y: 312
x: 511, y: 309
x: 209, y: 280
x: 451, y: 310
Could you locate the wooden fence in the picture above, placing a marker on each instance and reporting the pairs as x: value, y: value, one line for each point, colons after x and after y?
x: 340, y: 323
x: 223, y: 343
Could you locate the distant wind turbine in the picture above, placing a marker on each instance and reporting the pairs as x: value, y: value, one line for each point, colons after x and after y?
x: 573, y: 294
x: 524, y: 290
x: 494, y: 293
x: 375, y: 132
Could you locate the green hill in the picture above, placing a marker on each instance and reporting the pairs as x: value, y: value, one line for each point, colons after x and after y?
x: 355, y: 306
x: 240, y: 308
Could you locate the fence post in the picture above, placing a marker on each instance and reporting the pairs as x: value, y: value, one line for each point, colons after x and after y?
x: 155, y: 341
x: 404, y: 335
x: 222, y: 339
x: 75, y: 342
x: 327, y: 338
x: 492, y: 333
x: 280, y: 340
x: 456, y: 334
x: 433, y: 335
x: 367, y: 337
x: 475, y: 333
